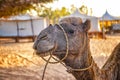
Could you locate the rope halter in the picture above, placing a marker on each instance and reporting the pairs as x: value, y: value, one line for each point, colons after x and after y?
x: 67, y: 49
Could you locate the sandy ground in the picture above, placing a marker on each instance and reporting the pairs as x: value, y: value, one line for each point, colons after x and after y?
x: 17, y: 66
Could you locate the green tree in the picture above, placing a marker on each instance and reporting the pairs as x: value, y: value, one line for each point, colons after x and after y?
x: 14, y: 7
x: 64, y: 11
x: 54, y: 15
x: 84, y: 9
x: 73, y: 8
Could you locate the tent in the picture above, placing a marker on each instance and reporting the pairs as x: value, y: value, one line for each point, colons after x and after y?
x: 107, y: 21
x: 21, y: 26
x: 107, y: 17
x: 95, y: 27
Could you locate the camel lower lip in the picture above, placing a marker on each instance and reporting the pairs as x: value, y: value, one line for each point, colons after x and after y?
x: 44, y: 54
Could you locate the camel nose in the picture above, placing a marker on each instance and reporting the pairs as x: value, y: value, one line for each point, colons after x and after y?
x: 41, y: 37
x: 35, y: 46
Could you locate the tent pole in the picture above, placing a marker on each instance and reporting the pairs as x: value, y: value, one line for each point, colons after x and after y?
x: 33, y: 37
x: 17, y: 38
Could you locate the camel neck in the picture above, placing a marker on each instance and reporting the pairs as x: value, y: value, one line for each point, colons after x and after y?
x: 81, y: 61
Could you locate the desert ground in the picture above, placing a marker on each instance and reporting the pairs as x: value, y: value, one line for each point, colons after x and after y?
x: 17, y: 60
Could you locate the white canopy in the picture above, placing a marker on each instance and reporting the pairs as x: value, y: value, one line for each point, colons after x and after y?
x: 95, y: 27
x: 77, y: 13
x: 20, y: 17
x: 106, y: 16
x: 21, y: 25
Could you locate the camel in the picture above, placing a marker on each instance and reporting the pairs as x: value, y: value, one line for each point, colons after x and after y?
x: 79, y: 55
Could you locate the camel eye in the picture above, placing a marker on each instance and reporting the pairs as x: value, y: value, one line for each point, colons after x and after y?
x: 74, y: 24
x: 71, y: 31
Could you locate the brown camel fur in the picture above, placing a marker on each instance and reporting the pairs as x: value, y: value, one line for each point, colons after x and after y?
x: 79, y: 56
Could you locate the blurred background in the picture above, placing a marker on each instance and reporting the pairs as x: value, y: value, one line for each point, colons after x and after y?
x: 22, y: 20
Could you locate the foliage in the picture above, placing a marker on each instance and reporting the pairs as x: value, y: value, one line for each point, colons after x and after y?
x: 84, y: 9
x: 54, y: 15
x: 14, y: 7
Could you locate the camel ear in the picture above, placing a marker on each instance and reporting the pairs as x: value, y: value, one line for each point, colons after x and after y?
x: 86, y: 25
x: 50, y: 25
x: 56, y: 25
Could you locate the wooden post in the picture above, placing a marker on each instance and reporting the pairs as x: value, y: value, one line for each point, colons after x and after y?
x: 103, y: 30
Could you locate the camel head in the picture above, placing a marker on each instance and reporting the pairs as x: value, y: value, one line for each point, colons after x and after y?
x: 53, y: 38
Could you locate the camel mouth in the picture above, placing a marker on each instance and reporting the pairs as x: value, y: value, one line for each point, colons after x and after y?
x: 45, y: 53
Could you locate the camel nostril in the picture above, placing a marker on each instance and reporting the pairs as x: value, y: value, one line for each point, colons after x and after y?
x: 43, y: 37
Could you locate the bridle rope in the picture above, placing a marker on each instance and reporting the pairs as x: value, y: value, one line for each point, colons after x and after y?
x: 69, y: 69
x: 67, y: 49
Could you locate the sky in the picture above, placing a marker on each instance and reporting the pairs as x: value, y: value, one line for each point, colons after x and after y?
x: 99, y: 7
